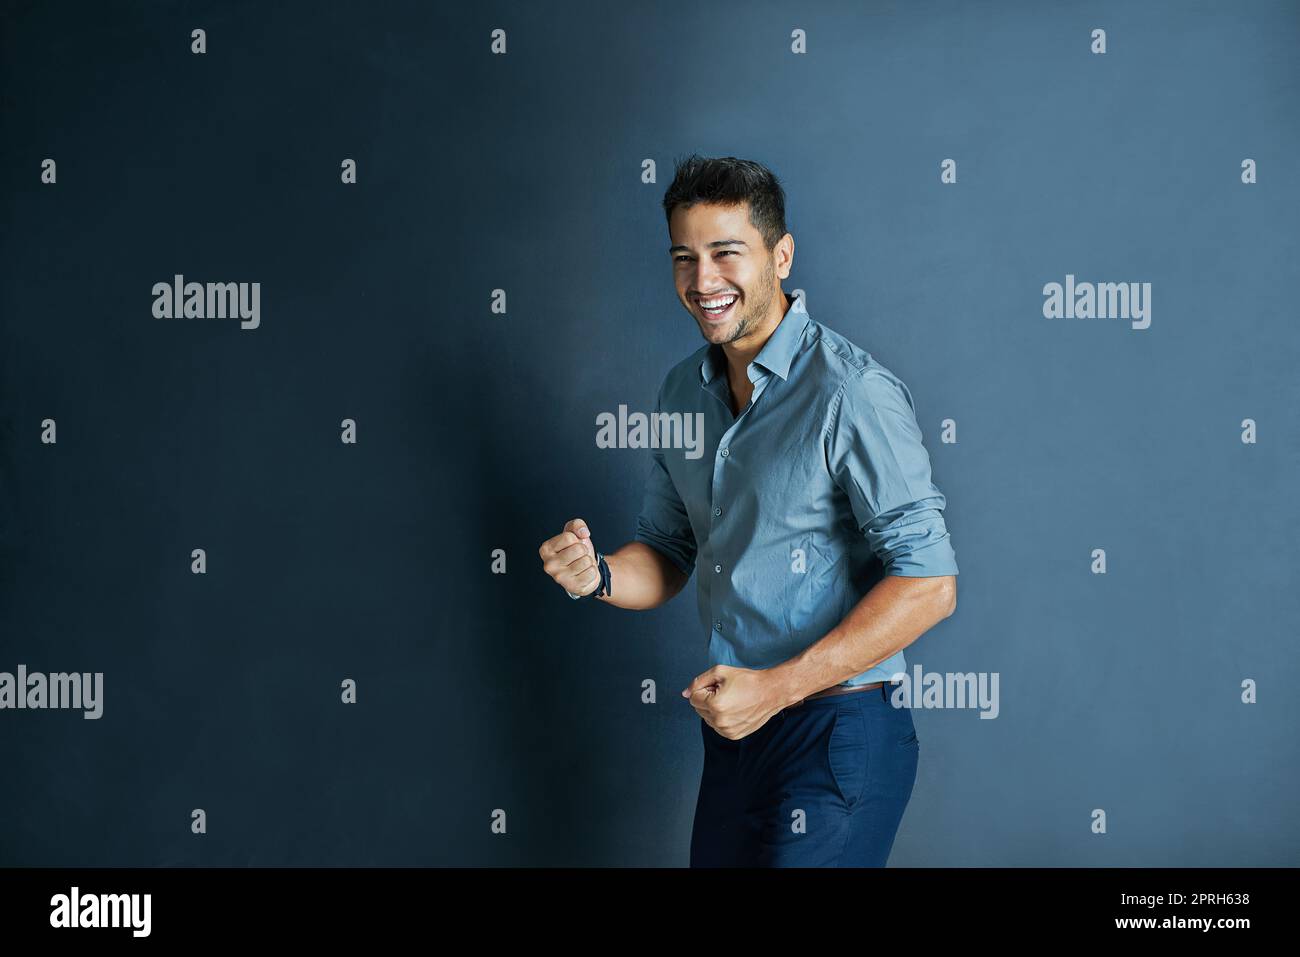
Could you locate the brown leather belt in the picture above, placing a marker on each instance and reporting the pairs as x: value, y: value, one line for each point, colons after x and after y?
x: 838, y: 689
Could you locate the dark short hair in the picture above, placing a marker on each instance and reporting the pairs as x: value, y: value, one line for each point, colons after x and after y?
x: 727, y: 181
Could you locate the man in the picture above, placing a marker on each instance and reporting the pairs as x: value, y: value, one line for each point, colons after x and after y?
x: 818, y: 535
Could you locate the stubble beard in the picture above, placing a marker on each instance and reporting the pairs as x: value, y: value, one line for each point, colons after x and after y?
x: 753, y: 314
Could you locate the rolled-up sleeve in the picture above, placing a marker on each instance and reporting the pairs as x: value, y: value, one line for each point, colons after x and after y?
x: 873, y: 449
x: 663, y: 522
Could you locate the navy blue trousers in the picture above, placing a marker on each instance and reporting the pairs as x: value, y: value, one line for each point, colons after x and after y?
x: 822, y: 784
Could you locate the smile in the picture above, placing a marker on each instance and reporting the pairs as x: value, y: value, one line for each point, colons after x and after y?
x: 718, y: 307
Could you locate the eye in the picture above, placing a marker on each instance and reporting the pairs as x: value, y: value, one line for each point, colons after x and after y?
x: 724, y: 252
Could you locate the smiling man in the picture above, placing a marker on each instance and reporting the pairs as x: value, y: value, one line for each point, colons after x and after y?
x: 817, y: 534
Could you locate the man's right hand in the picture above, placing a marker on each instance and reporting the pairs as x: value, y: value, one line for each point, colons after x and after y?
x: 570, y: 558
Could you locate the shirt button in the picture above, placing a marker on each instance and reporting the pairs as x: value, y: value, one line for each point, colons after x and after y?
x: 717, y: 568
x: 717, y: 626
x: 725, y: 453
x: 717, y: 511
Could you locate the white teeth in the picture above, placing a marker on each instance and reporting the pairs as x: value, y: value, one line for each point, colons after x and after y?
x: 717, y: 303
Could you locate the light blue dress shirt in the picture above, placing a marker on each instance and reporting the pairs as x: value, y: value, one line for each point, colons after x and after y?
x: 797, y: 507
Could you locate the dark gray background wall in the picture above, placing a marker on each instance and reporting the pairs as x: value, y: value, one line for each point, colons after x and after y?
x: 476, y: 430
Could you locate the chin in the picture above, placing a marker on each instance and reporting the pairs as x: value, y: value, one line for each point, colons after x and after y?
x: 717, y: 336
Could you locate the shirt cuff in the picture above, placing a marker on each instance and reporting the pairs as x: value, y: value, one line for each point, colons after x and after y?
x: 681, y: 559
x: 929, y: 562
x: 913, y: 544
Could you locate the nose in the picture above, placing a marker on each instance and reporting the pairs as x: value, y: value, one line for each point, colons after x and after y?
x: 708, y: 276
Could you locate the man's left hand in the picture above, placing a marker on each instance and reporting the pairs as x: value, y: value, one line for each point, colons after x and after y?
x: 736, y: 702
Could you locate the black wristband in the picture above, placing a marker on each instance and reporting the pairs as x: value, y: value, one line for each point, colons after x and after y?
x: 605, y: 578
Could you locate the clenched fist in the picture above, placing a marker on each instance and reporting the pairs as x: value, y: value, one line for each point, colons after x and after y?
x: 570, y: 558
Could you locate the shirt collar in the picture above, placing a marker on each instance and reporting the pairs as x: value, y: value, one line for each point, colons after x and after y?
x: 777, y: 353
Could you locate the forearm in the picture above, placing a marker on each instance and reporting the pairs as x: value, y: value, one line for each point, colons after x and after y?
x: 891, y: 616
x: 641, y: 577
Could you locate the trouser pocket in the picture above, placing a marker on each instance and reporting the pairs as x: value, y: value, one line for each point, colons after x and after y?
x: 847, y: 752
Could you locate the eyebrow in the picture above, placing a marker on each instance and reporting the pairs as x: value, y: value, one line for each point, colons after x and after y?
x: 713, y: 245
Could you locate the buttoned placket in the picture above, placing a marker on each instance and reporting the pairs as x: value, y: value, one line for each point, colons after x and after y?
x: 719, y: 384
